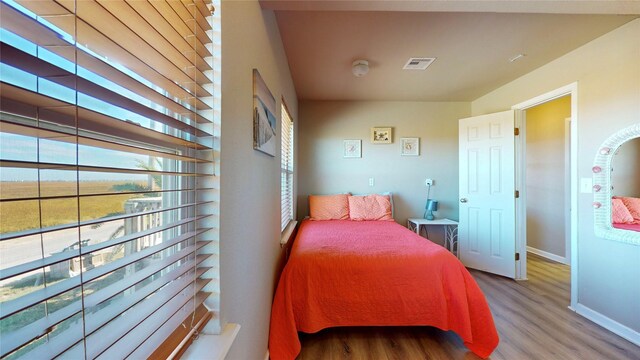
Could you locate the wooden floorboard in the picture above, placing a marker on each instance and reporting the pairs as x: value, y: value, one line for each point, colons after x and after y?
x: 532, y: 318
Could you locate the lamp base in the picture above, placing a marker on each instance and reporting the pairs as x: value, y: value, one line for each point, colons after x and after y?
x: 430, y: 216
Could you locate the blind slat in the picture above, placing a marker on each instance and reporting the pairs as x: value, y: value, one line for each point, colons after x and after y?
x: 119, y: 335
x: 124, y: 348
x: 180, y: 53
x: 107, y: 35
x: 63, y: 115
x: 23, y: 26
x: 34, y: 330
x: 50, y: 109
x: 103, y: 169
x: 13, y: 306
x: 150, y: 345
x: 14, y: 127
x: 169, y: 29
x: 19, y: 59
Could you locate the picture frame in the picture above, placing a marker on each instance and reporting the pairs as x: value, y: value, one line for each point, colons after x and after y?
x: 381, y: 135
x: 410, y: 146
x: 352, y: 148
x: 264, y: 119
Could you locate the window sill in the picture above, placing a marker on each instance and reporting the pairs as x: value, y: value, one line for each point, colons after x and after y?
x: 212, y: 346
x: 286, y: 234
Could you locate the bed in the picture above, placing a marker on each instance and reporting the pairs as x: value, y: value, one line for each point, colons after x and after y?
x: 374, y: 273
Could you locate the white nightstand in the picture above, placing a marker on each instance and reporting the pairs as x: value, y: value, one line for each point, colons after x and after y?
x: 450, y: 230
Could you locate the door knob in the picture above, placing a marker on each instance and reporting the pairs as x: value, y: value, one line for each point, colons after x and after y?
x: 463, y: 200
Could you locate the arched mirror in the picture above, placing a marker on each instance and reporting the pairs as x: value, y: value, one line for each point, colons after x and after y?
x: 616, y: 187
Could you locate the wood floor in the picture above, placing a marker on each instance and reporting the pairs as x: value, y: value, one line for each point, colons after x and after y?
x: 531, y: 316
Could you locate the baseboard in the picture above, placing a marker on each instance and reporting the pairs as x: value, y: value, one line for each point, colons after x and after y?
x: 548, y: 255
x: 609, y: 324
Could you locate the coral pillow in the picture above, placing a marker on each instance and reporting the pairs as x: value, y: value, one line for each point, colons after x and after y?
x: 329, y: 207
x: 633, y: 204
x: 370, y: 207
x: 619, y: 213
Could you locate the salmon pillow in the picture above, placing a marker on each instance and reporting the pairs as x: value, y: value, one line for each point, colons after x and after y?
x: 329, y: 207
x: 633, y: 204
x: 370, y: 207
x: 619, y: 213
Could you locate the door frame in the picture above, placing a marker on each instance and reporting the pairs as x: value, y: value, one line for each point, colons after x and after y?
x: 521, y: 208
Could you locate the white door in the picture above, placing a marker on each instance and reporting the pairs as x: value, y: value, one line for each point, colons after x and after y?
x: 486, y: 232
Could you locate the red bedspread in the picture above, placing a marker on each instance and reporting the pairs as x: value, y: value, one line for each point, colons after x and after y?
x: 374, y: 273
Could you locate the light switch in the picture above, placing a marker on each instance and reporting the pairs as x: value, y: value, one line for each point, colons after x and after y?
x: 586, y: 185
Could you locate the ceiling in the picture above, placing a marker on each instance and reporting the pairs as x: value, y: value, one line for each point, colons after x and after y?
x: 323, y: 38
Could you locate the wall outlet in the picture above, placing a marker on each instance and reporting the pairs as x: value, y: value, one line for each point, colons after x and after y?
x: 428, y: 182
x: 372, y: 181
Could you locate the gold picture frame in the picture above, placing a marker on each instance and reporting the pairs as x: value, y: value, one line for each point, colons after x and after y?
x: 382, y: 135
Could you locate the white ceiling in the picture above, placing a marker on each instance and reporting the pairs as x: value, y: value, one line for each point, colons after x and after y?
x: 323, y: 38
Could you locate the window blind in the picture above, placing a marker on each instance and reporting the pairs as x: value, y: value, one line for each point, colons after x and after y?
x: 109, y: 128
x: 286, y: 169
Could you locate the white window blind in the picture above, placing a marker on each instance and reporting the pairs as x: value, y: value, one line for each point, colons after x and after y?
x: 109, y: 127
x: 286, y: 169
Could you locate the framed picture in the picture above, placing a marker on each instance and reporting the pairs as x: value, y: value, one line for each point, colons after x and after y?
x: 264, y: 119
x: 352, y: 148
x: 380, y: 135
x: 410, y: 146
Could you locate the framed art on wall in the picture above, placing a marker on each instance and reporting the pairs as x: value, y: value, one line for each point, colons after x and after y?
x: 352, y: 148
x: 380, y: 135
x: 410, y: 146
x: 264, y: 120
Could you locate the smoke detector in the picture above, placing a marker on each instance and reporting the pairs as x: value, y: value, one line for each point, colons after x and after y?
x: 418, y: 63
x: 360, y: 68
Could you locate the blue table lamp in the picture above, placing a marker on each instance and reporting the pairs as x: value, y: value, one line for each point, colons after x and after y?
x: 432, y: 205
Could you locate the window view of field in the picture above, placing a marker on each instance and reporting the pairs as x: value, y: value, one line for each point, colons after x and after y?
x: 113, y: 198
x: 25, y: 215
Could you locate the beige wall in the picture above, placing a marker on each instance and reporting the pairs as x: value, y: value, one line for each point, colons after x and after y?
x: 625, y: 177
x: 325, y: 124
x: 545, y: 183
x: 250, y: 180
x: 608, y: 74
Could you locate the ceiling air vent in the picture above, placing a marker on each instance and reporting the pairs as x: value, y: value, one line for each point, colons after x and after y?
x: 418, y: 63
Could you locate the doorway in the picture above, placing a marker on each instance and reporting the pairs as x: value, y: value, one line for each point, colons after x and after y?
x: 546, y: 175
x: 546, y: 132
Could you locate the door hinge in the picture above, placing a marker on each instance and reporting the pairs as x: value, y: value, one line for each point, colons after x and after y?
x: 517, y: 256
x: 516, y: 131
x: 517, y: 194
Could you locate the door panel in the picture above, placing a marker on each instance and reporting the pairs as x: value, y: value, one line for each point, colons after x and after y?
x: 487, y: 187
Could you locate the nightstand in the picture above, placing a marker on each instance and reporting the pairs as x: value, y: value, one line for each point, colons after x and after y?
x: 450, y: 230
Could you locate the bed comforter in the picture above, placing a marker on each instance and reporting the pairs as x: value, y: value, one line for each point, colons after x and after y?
x: 374, y: 273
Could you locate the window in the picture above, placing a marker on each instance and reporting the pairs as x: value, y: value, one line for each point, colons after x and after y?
x: 286, y: 169
x: 109, y: 126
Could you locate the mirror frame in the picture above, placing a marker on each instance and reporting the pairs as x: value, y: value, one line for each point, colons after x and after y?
x: 602, y: 187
